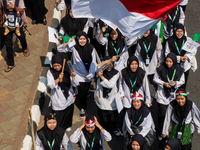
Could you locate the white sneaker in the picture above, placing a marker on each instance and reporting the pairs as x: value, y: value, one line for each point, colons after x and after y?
x: 82, y: 113
x: 117, y: 133
x: 69, y: 129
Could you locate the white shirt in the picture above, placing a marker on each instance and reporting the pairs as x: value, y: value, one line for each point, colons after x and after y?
x: 78, y: 136
x: 192, y: 118
x: 183, y: 2
x: 160, y: 94
x: 78, y: 65
x: 156, y: 58
x: 106, y: 103
x: 65, y: 143
x: 186, y: 65
x: 58, y: 100
x: 125, y: 91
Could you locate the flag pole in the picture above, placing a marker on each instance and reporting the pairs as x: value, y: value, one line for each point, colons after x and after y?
x: 134, y: 42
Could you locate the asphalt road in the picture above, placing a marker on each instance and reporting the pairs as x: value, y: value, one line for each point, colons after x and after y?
x: 192, y: 24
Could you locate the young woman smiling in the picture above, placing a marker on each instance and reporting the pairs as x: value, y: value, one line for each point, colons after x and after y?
x: 51, y: 136
x: 90, y: 134
x: 183, y: 115
x: 169, y: 76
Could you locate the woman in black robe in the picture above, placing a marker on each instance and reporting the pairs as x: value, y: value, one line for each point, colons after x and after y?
x: 39, y: 11
x: 51, y: 136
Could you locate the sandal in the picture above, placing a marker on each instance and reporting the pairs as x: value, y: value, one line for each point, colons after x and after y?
x: 44, y: 22
x: 26, y: 52
x: 8, y: 69
x: 33, y: 22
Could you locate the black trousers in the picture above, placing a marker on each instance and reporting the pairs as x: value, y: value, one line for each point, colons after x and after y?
x: 186, y: 79
x: 83, y: 89
x: 108, y: 119
x: 186, y: 147
x: 161, y: 116
x: 9, y: 45
x: 64, y: 117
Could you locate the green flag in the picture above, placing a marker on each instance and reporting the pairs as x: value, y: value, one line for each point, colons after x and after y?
x: 196, y: 37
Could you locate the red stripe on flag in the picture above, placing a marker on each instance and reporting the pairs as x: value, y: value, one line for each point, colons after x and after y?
x: 154, y: 9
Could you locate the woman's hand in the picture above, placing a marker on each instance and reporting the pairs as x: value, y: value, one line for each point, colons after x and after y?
x: 83, y: 124
x: 159, y: 64
x: 166, y: 84
x: 71, y: 39
x: 61, y: 75
x: 174, y: 83
x: 57, y: 1
x: 132, y: 135
x: 104, y: 29
x: 114, y: 58
x: 98, y: 125
x: 59, y: 37
x: 122, y: 98
x: 73, y: 73
x: 149, y: 105
x: 100, y: 74
x: 183, y: 58
x: 164, y: 135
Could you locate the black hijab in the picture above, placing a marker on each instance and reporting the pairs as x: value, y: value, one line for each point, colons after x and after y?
x: 141, y: 140
x: 151, y: 38
x: 139, y: 74
x: 171, y: 25
x: 174, y: 39
x: 136, y: 114
x: 85, y: 52
x: 45, y: 134
x: 72, y: 25
x: 89, y: 136
x: 115, y: 44
x: 108, y: 75
x: 173, y: 143
x: 65, y: 84
x: 163, y: 71
x: 132, y: 49
x: 181, y: 112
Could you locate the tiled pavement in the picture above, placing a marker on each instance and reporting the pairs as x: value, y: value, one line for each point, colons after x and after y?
x: 18, y: 87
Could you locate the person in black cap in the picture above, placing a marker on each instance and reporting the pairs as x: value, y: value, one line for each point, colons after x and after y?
x: 51, y: 136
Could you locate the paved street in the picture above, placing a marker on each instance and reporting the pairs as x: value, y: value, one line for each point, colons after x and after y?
x: 18, y: 87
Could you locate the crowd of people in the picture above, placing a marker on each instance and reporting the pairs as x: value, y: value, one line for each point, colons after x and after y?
x: 94, y: 52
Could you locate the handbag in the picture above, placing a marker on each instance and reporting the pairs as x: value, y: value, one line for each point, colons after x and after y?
x: 150, y: 137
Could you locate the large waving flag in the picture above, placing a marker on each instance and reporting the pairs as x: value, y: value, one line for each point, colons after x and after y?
x: 132, y: 17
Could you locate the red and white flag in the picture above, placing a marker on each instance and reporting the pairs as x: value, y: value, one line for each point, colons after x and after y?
x: 132, y: 17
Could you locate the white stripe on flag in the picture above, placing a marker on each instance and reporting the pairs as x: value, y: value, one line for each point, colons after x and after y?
x: 131, y: 25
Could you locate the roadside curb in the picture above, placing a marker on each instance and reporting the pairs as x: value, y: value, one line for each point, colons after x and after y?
x: 42, y: 87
